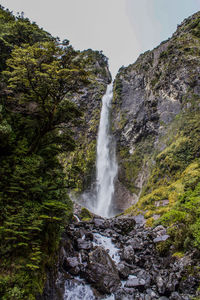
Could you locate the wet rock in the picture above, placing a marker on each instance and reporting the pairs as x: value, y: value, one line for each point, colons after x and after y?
x: 128, y: 254
x: 147, y: 297
x: 155, y: 276
x: 89, y: 236
x: 102, y: 272
x: 67, y: 246
x: 83, y: 255
x: 71, y: 265
x: 123, y: 295
x: 83, y: 244
x: 136, y: 283
x: 130, y: 291
x: 139, y: 219
x: 123, y: 270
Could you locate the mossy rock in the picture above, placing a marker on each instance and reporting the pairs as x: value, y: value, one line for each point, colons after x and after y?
x: 164, y: 247
x: 85, y: 214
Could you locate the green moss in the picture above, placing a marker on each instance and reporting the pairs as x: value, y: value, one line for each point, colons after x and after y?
x: 164, y: 247
x: 85, y: 214
x: 79, y: 166
x: 178, y: 254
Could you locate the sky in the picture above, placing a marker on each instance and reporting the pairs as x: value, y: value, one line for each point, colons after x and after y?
x: 122, y: 29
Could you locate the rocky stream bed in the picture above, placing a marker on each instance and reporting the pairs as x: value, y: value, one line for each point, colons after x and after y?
x: 118, y: 259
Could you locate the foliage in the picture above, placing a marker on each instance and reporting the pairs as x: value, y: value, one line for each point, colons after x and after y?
x: 16, y: 31
x: 36, y: 122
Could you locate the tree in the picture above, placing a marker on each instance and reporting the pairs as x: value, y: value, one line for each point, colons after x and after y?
x: 40, y: 78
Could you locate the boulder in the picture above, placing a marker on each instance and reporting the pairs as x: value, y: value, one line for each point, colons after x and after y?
x: 160, y: 285
x: 136, y: 243
x: 128, y: 254
x: 136, y: 283
x: 83, y: 244
x: 145, y: 276
x: 175, y: 296
x: 123, y: 225
x: 161, y: 238
x: 71, y: 265
x: 123, y: 270
x: 102, y: 272
x: 123, y: 295
x: 99, y: 223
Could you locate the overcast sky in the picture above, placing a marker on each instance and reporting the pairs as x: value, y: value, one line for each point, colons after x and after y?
x: 121, y: 28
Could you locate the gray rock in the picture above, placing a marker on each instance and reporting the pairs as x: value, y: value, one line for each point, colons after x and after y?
x: 161, y: 238
x: 123, y: 225
x: 83, y: 244
x: 99, y: 222
x: 102, y: 272
x: 123, y: 270
x: 159, y: 230
x: 175, y: 296
x: 72, y: 265
x: 151, y: 293
x: 160, y: 285
x: 128, y: 254
x: 147, y: 297
x: 136, y: 283
x: 145, y: 276
x: 123, y: 294
x: 136, y: 243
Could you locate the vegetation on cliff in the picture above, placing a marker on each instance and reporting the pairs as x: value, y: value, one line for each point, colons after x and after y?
x: 39, y: 78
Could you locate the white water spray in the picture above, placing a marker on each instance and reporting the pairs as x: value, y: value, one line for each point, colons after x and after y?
x: 106, y: 164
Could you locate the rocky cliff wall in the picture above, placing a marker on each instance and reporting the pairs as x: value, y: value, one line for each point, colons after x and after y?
x: 156, y: 119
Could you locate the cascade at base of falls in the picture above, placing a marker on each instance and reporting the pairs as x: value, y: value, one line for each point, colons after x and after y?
x: 118, y: 259
x: 100, y: 200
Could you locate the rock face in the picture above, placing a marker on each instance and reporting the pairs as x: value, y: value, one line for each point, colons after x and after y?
x: 148, y: 95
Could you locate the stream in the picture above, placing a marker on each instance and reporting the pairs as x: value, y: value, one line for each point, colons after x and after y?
x: 78, y: 289
x: 117, y: 259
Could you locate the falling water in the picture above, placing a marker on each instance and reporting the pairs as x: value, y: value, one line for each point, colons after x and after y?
x: 106, y: 164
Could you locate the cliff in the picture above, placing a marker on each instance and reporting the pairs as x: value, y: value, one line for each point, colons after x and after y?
x: 156, y: 123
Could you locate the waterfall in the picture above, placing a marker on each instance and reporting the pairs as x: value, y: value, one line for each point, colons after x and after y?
x: 106, y: 165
